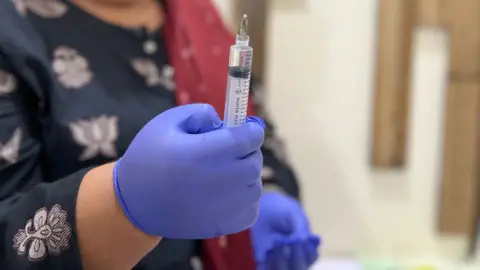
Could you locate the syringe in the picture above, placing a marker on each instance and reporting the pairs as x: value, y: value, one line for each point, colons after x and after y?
x: 238, y: 86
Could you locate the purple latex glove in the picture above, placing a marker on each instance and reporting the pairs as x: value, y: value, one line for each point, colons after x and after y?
x: 183, y: 176
x: 281, y: 237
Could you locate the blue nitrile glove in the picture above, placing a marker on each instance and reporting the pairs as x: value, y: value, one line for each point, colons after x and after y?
x: 299, y: 255
x: 281, y: 237
x: 184, y: 176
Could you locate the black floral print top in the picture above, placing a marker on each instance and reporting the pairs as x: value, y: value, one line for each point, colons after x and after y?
x: 74, y: 91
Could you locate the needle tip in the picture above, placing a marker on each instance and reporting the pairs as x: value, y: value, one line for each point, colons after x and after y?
x: 242, y: 30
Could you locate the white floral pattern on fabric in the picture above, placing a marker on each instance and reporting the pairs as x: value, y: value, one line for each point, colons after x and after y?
x: 196, y: 263
x: 209, y: 18
x: 184, y: 97
x: 49, y: 9
x: 186, y: 53
x: 223, y: 241
x: 48, y: 233
x: 217, y: 51
x: 8, y: 82
x: 97, y: 135
x: 267, y: 173
x: 10, y: 150
x: 20, y: 7
x: 152, y: 75
x: 72, y: 69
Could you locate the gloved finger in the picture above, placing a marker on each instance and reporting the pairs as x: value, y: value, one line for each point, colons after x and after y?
x: 280, y: 219
x: 311, y: 251
x: 247, y: 216
x: 298, y: 225
x: 237, y: 142
x: 298, y: 258
x: 262, y: 266
x: 264, y: 245
x: 249, y: 137
x: 203, y: 119
x: 314, y: 240
x: 277, y: 258
x: 283, y: 224
x: 256, y: 119
x: 302, y: 225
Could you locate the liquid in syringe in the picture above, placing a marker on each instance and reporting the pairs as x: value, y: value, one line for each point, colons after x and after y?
x: 238, y: 86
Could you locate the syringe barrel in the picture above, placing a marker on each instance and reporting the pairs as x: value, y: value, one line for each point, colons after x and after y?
x: 238, y: 86
x: 241, y: 56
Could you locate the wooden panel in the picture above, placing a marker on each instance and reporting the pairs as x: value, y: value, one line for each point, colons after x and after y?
x: 459, y: 200
x: 460, y: 176
x: 462, y: 19
x: 428, y: 13
x: 395, y: 32
x: 257, y: 11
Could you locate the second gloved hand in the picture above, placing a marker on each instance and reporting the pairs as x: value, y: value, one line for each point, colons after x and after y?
x: 281, y: 237
x: 184, y: 176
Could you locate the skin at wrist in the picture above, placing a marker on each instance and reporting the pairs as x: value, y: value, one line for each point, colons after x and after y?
x: 107, y: 239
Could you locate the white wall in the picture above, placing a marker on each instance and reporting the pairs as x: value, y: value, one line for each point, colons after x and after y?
x: 321, y: 60
x: 226, y: 9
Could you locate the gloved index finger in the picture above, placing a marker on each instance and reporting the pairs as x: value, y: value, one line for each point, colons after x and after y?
x: 247, y: 138
x: 298, y: 259
x: 237, y: 141
x: 256, y: 119
x: 278, y: 258
x: 311, y: 252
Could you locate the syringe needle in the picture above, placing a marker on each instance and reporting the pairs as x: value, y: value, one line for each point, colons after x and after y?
x: 242, y: 29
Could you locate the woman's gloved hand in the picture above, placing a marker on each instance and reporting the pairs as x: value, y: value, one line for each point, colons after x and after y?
x: 281, y: 237
x: 183, y: 176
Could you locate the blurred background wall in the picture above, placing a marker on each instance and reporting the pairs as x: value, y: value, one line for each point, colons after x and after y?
x: 319, y: 81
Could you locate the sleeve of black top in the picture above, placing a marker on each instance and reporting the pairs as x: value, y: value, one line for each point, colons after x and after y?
x: 276, y: 170
x: 37, y: 219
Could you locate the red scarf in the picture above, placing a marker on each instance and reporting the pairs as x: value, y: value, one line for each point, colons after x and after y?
x: 198, y: 45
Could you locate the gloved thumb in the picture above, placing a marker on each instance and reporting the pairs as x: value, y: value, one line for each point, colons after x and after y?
x: 283, y: 225
x: 202, y: 120
x: 280, y: 219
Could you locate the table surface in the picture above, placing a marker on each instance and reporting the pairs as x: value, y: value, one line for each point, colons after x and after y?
x: 337, y: 264
x: 350, y: 264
